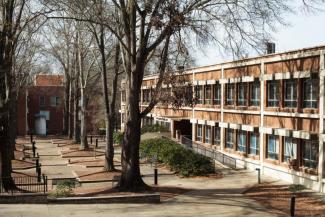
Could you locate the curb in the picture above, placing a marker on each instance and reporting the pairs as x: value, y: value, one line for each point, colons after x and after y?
x: 140, y: 198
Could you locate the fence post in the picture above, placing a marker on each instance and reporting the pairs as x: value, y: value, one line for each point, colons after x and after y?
x: 33, y: 148
x: 31, y: 137
x: 44, y: 183
x: 39, y: 171
x: 97, y: 143
x: 292, y: 206
x: 258, y: 175
x: 156, y: 175
x: 91, y: 139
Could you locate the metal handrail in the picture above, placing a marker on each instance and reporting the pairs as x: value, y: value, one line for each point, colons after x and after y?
x: 208, y: 152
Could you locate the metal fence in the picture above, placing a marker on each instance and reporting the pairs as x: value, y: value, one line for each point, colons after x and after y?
x: 187, y: 142
x: 21, y: 185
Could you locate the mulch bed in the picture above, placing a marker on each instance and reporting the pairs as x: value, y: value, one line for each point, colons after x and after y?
x: 81, y: 153
x: 97, y: 175
x: 22, y: 164
x: 277, y: 197
x: 23, y: 174
x: 166, y: 192
x: 91, y: 162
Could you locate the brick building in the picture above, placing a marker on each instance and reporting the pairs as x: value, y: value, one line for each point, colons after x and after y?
x: 43, y: 100
x: 266, y: 112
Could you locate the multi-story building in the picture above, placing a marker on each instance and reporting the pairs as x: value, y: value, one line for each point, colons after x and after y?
x: 41, y: 106
x: 266, y: 112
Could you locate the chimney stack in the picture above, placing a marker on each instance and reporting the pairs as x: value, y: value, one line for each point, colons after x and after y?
x: 270, y: 47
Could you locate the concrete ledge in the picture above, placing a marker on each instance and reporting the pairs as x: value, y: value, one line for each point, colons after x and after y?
x: 26, y: 198
x: 139, y: 198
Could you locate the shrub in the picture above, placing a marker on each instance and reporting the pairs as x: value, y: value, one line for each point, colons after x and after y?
x: 63, y: 189
x: 118, y: 137
x: 179, y: 159
x: 153, y: 128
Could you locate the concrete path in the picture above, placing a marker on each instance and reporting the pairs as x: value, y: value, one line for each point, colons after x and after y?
x: 211, y: 197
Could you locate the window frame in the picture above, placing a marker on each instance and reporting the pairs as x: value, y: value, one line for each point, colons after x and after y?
x: 242, y: 147
x: 293, y: 144
x: 292, y: 101
x: 217, y: 94
x: 199, y: 94
x: 242, y: 90
x: 276, y: 144
x: 255, y: 100
x: 256, y: 146
x: 307, y: 162
x: 207, y: 132
x: 232, y: 87
x: 230, y: 144
x: 208, y: 99
x: 307, y: 102
x: 275, y: 100
x: 42, y: 101
x: 216, y: 138
x: 199, y: 129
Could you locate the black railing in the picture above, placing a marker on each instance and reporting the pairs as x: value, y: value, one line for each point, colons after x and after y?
x: 21, y: 185
x: 208, y: 152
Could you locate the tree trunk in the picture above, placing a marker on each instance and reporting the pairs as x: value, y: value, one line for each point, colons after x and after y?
x: 131, y: 178
x: 12, y: 124
x: 109, y: 152
x: 83, y: 123
x: 71, y: 97
x: 66, y: 107
x: 76, y: 129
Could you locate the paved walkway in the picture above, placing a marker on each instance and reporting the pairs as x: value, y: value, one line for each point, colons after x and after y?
x: 211, y: 197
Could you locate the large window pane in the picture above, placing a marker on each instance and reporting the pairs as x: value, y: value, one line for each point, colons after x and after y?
x: 310, y: 154
x: 217, y: 94
x: 255, y: 94
x: 230, y: 94
x: 199, y: 132
x: 290, y: 149
x: 241, y: 94
x: 217, y: 135
x: 208, y: 94
x: 207, y: 134
x: 273, y: 149
x: 290, y: 94
x: 310, y: 95
x: 229, y: 138
x: 241, y: 141
x: 273, y: 94
x: 254, y: 144
x: 199, y: 94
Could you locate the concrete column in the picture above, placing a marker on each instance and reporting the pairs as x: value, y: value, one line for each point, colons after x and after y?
x: 222, y: 130
x: 262, y: 99
x: 172, y: 128
x: 193, y: 131
x: 321, y: 120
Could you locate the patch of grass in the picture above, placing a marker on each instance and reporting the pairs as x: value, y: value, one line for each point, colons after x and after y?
x: 63, y: 189
x: 181, y: 160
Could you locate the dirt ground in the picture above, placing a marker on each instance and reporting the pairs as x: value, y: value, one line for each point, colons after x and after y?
x: 277, y: 197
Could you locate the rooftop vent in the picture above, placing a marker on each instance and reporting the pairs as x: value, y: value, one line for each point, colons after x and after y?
x: 270, y: 47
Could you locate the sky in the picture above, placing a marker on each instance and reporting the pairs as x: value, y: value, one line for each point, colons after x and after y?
x: 304, y: 31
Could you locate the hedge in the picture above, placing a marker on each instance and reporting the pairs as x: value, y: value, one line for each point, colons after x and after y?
x: 181, y: 160
x: 153, y: 128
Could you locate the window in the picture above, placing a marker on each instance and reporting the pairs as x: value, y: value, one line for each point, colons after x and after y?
x: 208, y: 94
x: 310, y: 88
x: 310, y: 154
x: 41, y: 101
x: 241, y: 94
x: 229, y: 138
x: 199, y: 132
x: 255, y: 94
x: 46, y: 114
x: 254, y: 144
x: 230, y: 94
x: 273, y: 93
x: 207, y: 134
x: 241, y: 141
x: 146, y: 95
x: 199, y: 94
x: 217, y: 135
x: 273, y: 149
x: 290, y: 149
x: 55, y: 101
x: 217, y: 94
x: 290, y: 94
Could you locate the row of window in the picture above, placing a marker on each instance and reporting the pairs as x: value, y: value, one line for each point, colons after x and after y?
x: 54, y: 101
x: 248, y: 142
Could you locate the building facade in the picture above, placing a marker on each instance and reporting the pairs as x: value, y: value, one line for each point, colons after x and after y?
x: 42, y: 100
x: 267, y: 112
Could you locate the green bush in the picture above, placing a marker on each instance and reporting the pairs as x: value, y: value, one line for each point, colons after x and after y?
x: 181, y: 160
x: 118, y: 137
x: 63, y: 189
x: 153, y: 128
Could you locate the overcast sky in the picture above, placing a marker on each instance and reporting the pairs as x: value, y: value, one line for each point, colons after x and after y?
x: 304, y: 31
